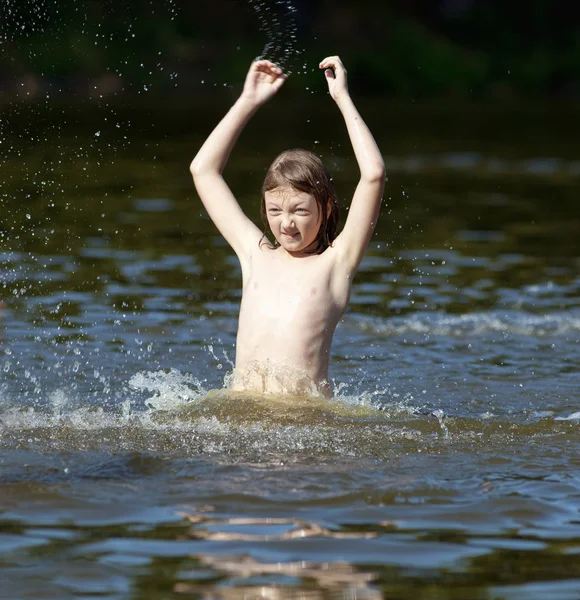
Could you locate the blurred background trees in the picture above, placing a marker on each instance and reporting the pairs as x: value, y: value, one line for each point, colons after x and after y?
x: 403, y: 48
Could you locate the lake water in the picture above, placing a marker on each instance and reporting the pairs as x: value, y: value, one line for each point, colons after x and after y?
x: 447, y: 464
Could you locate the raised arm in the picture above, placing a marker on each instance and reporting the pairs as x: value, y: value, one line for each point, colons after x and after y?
x: 264, y: 79
x: 364, y: 209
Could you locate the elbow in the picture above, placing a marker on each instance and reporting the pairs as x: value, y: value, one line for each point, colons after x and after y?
x: 195, y: 168
x: 200, y: 167
x: 375, y: 173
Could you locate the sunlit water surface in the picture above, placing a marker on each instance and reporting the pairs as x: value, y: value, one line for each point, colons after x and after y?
x: 448, y: 462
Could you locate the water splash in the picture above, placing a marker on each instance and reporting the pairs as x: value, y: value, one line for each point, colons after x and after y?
x: 170, y: 390
x: 191, y: 424
x: 277, y: 21
x: 25, y: 17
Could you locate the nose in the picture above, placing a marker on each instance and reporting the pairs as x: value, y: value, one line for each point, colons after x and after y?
x: 287, y: 222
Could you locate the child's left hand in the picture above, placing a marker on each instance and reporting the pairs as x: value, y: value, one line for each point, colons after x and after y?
x: 335, y: 74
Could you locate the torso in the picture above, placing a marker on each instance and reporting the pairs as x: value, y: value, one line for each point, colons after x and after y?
x: 289, y: 311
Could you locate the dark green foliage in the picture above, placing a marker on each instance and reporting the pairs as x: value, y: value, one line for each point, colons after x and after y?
x: 418, y: 49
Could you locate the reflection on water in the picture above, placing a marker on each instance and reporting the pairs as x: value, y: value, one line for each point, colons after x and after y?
x: 329, y: 577
x: 264, y: 529
x: 444, y: 466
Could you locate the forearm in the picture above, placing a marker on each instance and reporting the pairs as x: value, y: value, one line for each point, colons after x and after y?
x: 366, y: 151
x: 213, y: 155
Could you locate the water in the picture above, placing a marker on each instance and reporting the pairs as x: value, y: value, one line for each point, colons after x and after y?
x: 277, y: 22
x: 447, y: 464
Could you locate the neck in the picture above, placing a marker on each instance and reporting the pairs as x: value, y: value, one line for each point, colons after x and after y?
x: 312, y: 250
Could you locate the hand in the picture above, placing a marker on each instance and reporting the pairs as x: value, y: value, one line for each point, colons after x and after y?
x: 263, y: 80
x: 335, y: 74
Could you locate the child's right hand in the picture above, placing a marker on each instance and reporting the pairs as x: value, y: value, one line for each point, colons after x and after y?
x: 263, y: 80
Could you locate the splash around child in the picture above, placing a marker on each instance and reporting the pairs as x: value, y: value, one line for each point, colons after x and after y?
x: 296, y: 289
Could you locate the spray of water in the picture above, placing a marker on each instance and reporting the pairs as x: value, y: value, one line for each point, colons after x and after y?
x: 57, y: 56
x: 25, y: 17
x: 277, y: 21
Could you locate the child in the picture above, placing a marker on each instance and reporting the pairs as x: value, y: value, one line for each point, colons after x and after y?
x: 296, y: 289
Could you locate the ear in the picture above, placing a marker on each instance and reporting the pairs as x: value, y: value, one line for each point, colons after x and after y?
x: 328, y: 208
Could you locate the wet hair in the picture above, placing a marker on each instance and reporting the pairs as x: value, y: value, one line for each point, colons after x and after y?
x: 303, y: 171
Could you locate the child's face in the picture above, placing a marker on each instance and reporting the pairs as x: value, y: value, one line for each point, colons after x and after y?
x: 294, y: 218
